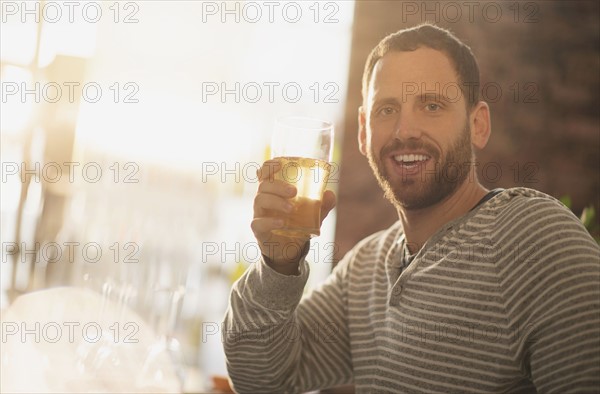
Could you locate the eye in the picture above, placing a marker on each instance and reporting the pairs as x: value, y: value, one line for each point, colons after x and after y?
x: 433, y: 107
x: 386, y: 110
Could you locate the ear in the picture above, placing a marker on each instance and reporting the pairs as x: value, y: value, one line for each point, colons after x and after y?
x: 481, y: 125
x: 362, y: 131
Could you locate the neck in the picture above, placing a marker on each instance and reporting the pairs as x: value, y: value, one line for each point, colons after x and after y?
x: 420, y: 224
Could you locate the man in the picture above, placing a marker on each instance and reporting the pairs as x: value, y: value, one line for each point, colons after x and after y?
x: 470, y: 291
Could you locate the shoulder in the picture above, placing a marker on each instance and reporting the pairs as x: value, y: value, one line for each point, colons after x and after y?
x: 381, y: 239
x: 379, y: 243
x: 531, y: 219
x: 371, y: 249
x: 525, y: 207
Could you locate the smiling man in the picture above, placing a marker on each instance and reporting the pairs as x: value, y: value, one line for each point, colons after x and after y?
x: 417, y: 139
x: 469, y: 291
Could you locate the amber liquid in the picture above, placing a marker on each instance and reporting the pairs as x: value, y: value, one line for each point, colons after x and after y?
x: 310, y: 178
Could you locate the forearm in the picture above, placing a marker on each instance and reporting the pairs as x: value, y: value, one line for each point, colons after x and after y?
x: 260, y: 313
x: 274, y: 343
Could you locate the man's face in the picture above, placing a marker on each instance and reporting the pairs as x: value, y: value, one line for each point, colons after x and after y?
x: 415, y: 129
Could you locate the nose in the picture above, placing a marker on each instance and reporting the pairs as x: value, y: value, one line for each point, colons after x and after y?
x: 406, y: 126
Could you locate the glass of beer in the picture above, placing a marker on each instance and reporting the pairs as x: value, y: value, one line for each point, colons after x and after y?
x: 304, y: 147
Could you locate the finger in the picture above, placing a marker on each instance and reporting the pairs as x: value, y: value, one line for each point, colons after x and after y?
x: 278, y: 188
x: 264, y: 202
x: 328, y: 203
x: 268, y: 169
x: 261, y: 227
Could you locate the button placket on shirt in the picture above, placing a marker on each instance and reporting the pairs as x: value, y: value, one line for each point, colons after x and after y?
x: 395, y: 297
x: 405, y: 275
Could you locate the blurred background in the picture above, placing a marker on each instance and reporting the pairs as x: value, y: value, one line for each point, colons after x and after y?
x: 131, y: 132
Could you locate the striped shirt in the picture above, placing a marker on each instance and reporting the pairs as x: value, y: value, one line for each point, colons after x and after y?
x: 505, y: 299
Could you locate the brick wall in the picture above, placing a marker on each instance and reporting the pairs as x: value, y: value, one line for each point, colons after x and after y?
x: 540, y: 64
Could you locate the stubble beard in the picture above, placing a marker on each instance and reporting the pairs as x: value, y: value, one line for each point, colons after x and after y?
x: 427, y: 189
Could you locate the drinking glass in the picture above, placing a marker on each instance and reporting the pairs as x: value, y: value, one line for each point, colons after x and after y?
x: 303, y: 146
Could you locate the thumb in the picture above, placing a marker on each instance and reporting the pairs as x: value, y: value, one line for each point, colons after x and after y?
x: 329, y: 201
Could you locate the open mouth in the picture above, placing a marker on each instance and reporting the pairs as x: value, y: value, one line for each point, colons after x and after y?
x: 410, y: 161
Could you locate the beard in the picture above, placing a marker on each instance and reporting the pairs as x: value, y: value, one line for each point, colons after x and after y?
x: 429, y: 188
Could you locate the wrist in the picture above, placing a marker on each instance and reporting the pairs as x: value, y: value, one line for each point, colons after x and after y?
x: 291, y: 265
x: 288, y: 269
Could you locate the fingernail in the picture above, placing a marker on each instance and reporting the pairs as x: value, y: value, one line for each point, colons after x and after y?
x: 288, y: 207
x: 291, y: 190
x: 278, y: 223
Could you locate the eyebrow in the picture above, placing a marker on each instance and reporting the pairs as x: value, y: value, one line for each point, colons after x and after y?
x: 385, y: 100
x: 435, y: 97
x: 423, y: 97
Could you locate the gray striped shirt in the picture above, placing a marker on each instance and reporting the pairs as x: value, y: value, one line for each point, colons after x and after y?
x: 503, y: 299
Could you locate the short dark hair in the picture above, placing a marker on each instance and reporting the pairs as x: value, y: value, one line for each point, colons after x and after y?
x: 434, y: 37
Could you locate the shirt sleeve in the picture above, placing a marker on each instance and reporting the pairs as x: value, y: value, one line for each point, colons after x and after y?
x: 553, y: 300
x: 274, y: 342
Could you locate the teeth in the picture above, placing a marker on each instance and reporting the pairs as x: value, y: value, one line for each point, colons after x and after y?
x: 410, y: 158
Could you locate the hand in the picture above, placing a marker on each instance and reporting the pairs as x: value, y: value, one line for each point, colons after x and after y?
x: 283, y: 253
